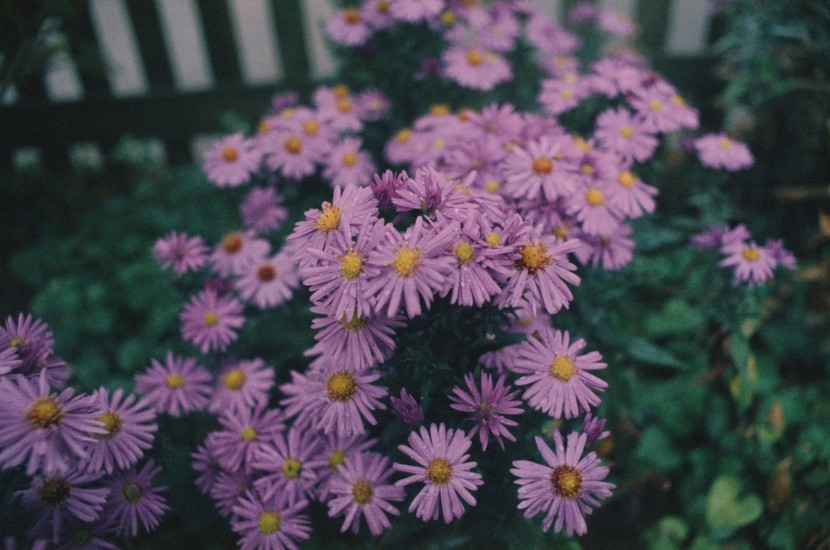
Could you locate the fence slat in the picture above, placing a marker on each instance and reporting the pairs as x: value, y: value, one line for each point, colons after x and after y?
x: 151, y: 43
x: 186, y: 44
x: 119, y: 46
x: 312, y: 18
x: 219, y: 39
x: 254, y: 31
x: 688, y: 25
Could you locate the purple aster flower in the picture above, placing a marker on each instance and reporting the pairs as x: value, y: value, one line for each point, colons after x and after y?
x: 348, y: 164
x: 612, y: 77
x: 564, y: 92
x: 134, y: 498
x: 46, y: 430
x: 443, y: 468
x: 242, y: 385
x: 407, y: 408
x: 8, y: 360
x: 338, y: 274
x: 361, y: 488
x: 476, y: 68
x: 262, y: 210
x: 206, y: 464
x: 336, y: 399
x: 130, y: 424
x: 57, y: 498
x: 720, y: 151
x: 77, y: 534
x: 489, y: 407
x: 177, y: 387
x: 291, y: 153
x: 357, y: 343
x: 661, y: 108
x: 333, y: 453
x: 231, y: 161
x: 413, y: 267
x: 624, y: 133
x: 615, y: 23
x: 268, y: 282
x: 612, y: 251
x: 236, y: 251
x: 287, y: 465
x: 566, y: 488
x: 245, y: 432
x: 209, y: 321
x: 630, y: 195
x: 415, y: 10
x: 347, y: 27
x: 181, y: 252
x: 559, y: 379
x: 430, y: 193
x: 469, y: 282
x: 30, y: 338
x: 751, y: 264
x: 229, y: 488
x: 717, y: 236
x: 541, y: 270
x: 373, y: 104
x: 544, y: 165
x: 591, y: 207
x: 385, y: 187
x: 337, y: 108
x: 270, y: 523
x: 594, y: 429
x: 782, y: 256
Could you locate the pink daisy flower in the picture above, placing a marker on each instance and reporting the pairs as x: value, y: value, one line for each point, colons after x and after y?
x: 385, y: 187
x: 229, y: 488
x: 179, y: 386
x: 540, y: 272
x: 236, y: 250
x: 563, y: 93
x: 31, y: 340
x: 181, y: 252
x: 430, y: 193
x: 544, y: 165
x: 566, y: 488
x: 476, y: 68
x: 242, y: 385
x: 338, y: 108
x: 621, y: 132
x: 347, y: 27
x: 134, y: 500
x: 611, y: 252
x: 489, y: 407
x: 662, y: 109
x: 269, y: 282
x: 286, y: 465
x: 361, y: 488
x: 48, y: 431
x: 750, y: 263
x: 632, y: 197
x: 262, y: 210
x: 291, y: 154
x: 348, y: 164
x: 246, y: 431
x: 720, y: 151
x: 210, y: 321
x: 358, y: 342
x: 270, y: 523
x: 560, y: 380
x: 206, y: 464
x: 231, y: 161
x: 413, y: 267
x: 333, y: 454
x: 593, y: 208
x: 443, y: 467
x: 372, y: 104
x: 469, y: 282
x: 612, y: 77
x: 130, y: 424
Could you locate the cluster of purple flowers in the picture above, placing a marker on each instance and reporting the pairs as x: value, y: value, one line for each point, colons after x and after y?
x: 80, y: 451
x: 750, y: 263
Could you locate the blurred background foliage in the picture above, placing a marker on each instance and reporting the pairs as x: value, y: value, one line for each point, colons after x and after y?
x: 718, y: 396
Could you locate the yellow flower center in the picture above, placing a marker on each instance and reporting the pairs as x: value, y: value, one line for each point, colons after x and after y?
x: 269, y: 522
x: 329, y: 218
x: 406, y: 261
x: 562, y: 231
x: 210, y: 319
x: 626, y: 179
x: 677, y: 100
x: 534, y: 257
x: 232, y: 243
x: 132, y: 492
x: 17, y: 342
x: 341, y: 91
x: 439, y: 110
x: 463, y: 252
x: 566, y: 94
x: 351, y: 264
x: 439, y: 144
x: 112, y: 422
x: 54, y: 491
x: 594, y: 197
x: 582, y: 145
x: 474, y: 58
x: 248, y: 434
x: 263, y: 127
x: 382, y: 6
x: 337, y: 458
x: 492, y: 186
x: 751, y: 254
x: 587, y: 169
x: 349, y: 159
x: 45, y: 412
x: 351, y: 16
x: 439, y: 471
x: 310, y: 128
x: 543, y: 165
x: 356, y: 324
x: 291, y: 467
x: 627, y: 132
x: 362, y: 492
x: 725, y: 143
x: 288, y: 112
x: 341, y: 386
x: 403, y: 135
x: 493, y: 239
x: 266, y: 273
x: 562, y: 368
x: 344, y: 105
x: 447, y: 17
x: 230, y: 154
x: 293, y: 145
x: 566, y: 481
x: 234, y: 379
x: 174, y: 381
x: 655, y: 105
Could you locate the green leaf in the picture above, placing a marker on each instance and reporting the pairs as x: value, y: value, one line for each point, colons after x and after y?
x: 726, y: 510
x: 644, y: 351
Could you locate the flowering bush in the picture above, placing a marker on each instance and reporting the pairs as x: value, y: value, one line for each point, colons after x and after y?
x: 416, y: 234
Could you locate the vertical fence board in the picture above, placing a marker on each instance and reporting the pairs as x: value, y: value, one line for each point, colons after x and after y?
x: 314, y: 16
x: 186, y: 44
x: 119, y: 45
x: 688, y: 25
x: 254, y: 32
x: 151, y: 44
